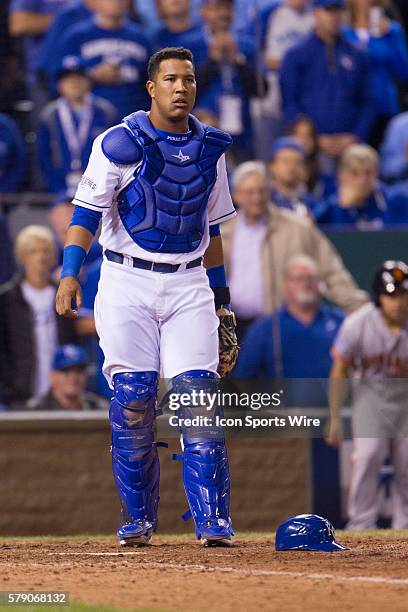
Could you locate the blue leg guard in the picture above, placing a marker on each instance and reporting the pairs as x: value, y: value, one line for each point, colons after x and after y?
x: 135, y: 460
x: 205, y: 464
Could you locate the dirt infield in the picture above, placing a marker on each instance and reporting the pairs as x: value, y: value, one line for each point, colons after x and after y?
x: 176, y: 574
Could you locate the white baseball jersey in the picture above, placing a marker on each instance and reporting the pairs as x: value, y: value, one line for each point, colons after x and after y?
x: 100, y: 186
x: 367, y: 344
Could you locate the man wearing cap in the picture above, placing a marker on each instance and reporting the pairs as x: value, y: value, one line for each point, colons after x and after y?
x: 327, y: 79
x: 371, y: 349
x: 287, y: 171
x: 67, y: 129
x: 68, y: 382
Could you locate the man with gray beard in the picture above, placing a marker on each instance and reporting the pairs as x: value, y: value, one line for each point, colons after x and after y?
x: 295, y: 341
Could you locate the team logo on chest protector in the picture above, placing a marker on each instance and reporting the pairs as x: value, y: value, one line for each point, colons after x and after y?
x: 163, y: 209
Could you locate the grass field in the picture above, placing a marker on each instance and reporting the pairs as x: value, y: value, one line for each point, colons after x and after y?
x: 175, y: 574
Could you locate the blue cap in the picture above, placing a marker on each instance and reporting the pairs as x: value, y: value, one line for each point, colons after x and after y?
x: 69, y: 356
x: 328, y: 3
x: 307, y: 532
x: 286, y: 142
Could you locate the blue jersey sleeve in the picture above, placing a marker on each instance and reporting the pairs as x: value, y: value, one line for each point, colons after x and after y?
x: 86, y: 218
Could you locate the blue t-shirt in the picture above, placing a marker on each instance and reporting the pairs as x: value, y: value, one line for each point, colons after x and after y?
x: 330, y: 85
x: 388, y: 63
x: 88, y: 45
x: 305, y: 349
x: 71, y: 15
x: 33, y: 44
x: 304, y: 353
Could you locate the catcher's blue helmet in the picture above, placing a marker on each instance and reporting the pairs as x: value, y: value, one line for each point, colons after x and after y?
x: 306, y: 532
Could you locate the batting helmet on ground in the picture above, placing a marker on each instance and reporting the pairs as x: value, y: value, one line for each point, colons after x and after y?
x: 307, y: 532
x: 391, y: 277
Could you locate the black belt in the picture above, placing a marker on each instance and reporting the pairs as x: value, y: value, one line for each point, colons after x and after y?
x: 164, y: 268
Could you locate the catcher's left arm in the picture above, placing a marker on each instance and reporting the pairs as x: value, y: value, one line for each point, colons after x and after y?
x: 227, y: 339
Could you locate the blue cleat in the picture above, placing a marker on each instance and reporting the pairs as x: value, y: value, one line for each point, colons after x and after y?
x: 137, y: 533
x: 216, y: 532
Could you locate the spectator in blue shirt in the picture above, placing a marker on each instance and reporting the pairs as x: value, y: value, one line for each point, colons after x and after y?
x: 69, y: 16
x: 295, y: 341
x: 177, y: 23
x: 12, y: 155
x: 226, y: 73
x: 326, y: 78
x: 287, y: 173
x: 73, y: 14
x: 384, y: 42
x: 394, y: 150
x: 67, y: 129
x: 114, y: 51
x: 361, y: 201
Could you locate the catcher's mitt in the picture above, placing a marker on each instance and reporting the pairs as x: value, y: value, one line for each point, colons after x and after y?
x: 227, y: 342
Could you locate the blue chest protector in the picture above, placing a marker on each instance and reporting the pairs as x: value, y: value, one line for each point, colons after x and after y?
x: 163, y: 209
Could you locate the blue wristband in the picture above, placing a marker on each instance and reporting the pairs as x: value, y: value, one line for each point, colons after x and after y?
x: 74, y: 257
x: 217, y: 277
x: 215, y: 230
x: 218, y: 283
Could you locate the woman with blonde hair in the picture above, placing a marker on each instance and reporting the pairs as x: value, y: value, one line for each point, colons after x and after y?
x: 30, y: 330
x: 384, y: 42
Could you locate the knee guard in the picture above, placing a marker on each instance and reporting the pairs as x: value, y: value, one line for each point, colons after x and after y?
x: 135, y: 460
x: 205, y: 463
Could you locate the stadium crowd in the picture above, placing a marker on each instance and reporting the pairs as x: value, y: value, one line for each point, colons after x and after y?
x: 314, y: 95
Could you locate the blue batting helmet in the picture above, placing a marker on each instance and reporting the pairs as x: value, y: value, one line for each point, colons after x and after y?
x: 307, y: 532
